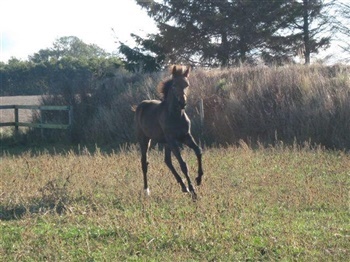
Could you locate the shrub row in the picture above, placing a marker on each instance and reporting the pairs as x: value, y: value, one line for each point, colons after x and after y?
x: 256, y: 104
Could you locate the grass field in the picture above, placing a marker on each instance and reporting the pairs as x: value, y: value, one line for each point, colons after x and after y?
x: 278, y: 204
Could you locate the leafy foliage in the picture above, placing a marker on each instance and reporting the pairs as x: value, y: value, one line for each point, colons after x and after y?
x: 70, y: 63
x: 137, y: 61
x: 343, y: 24
x: 314, y: 25
x: 224, y: 33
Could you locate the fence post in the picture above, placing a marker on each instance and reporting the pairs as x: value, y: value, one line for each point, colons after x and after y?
x: 16, y: 120
x: 70, y: 122
x: 41, y: 122
x: 201, y: 112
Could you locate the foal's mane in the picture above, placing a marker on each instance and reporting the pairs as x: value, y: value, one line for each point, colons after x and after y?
x: 165, y: 86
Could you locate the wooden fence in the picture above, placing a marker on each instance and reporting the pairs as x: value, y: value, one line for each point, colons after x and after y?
x: 17, y: 123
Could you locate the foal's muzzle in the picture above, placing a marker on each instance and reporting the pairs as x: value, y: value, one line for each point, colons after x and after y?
x: 182, y: 103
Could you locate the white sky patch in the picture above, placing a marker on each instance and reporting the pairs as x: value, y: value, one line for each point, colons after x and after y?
x: 28, y: 26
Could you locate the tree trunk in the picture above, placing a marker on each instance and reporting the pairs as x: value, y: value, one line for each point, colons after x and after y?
x: 224, y: 50
x: 306, y: 31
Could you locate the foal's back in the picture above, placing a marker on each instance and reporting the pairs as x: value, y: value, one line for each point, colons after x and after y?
x: 147, y: 120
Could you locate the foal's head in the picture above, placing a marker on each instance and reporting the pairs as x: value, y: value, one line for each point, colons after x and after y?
x: 177, y: 85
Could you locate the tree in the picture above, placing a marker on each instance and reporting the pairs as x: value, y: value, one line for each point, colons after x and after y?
x: 68, y: 46
x: 228, y: 32
x: 70, y: 66
x: 220, y: 32
x: 146, y: 59
x: 313, y: 25
x: 343, y: 25
x: 257, y: 28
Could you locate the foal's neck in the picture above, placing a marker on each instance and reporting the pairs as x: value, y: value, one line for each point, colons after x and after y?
x: 174, y: 108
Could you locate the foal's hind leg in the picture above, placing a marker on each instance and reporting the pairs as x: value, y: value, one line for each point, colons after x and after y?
x: 168, y: 162
x: 189, y: 141
x: 144, y: 144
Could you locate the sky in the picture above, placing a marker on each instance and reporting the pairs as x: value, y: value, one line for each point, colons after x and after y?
x: 26, y: 26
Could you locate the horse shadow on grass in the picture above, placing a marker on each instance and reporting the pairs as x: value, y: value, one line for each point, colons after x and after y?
x: 54, y: 199
x: 17, y: 212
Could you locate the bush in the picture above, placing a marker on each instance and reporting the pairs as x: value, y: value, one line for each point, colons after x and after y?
x: 256, y: 104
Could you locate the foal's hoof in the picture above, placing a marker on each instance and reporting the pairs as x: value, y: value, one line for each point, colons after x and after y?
x: 199, y: 180
x: 185, y: 190
x: 194, y: 196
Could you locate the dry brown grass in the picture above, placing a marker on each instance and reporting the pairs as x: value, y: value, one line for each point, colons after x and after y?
x: 291, y: 103
x: 257, y: 104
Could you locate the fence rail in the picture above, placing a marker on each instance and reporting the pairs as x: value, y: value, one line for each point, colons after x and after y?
x: 41, y: 125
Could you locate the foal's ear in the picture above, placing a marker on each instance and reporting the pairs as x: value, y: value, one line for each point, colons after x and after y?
x: 187, y: 72
x: 174, y: 71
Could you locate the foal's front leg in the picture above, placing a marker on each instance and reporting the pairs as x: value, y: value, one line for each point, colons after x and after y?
x: 176, y: 151
x: 189, y: 141
x: 169, y: 163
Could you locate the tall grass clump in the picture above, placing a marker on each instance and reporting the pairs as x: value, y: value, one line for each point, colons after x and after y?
x: 257, y: 104
x: 282, y: 103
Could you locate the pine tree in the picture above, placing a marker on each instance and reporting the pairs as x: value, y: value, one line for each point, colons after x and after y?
x: 343, y: 25
x: 313, y: 24
x: 229, y: 32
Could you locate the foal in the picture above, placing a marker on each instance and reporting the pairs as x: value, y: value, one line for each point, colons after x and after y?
x: 167, y: 122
